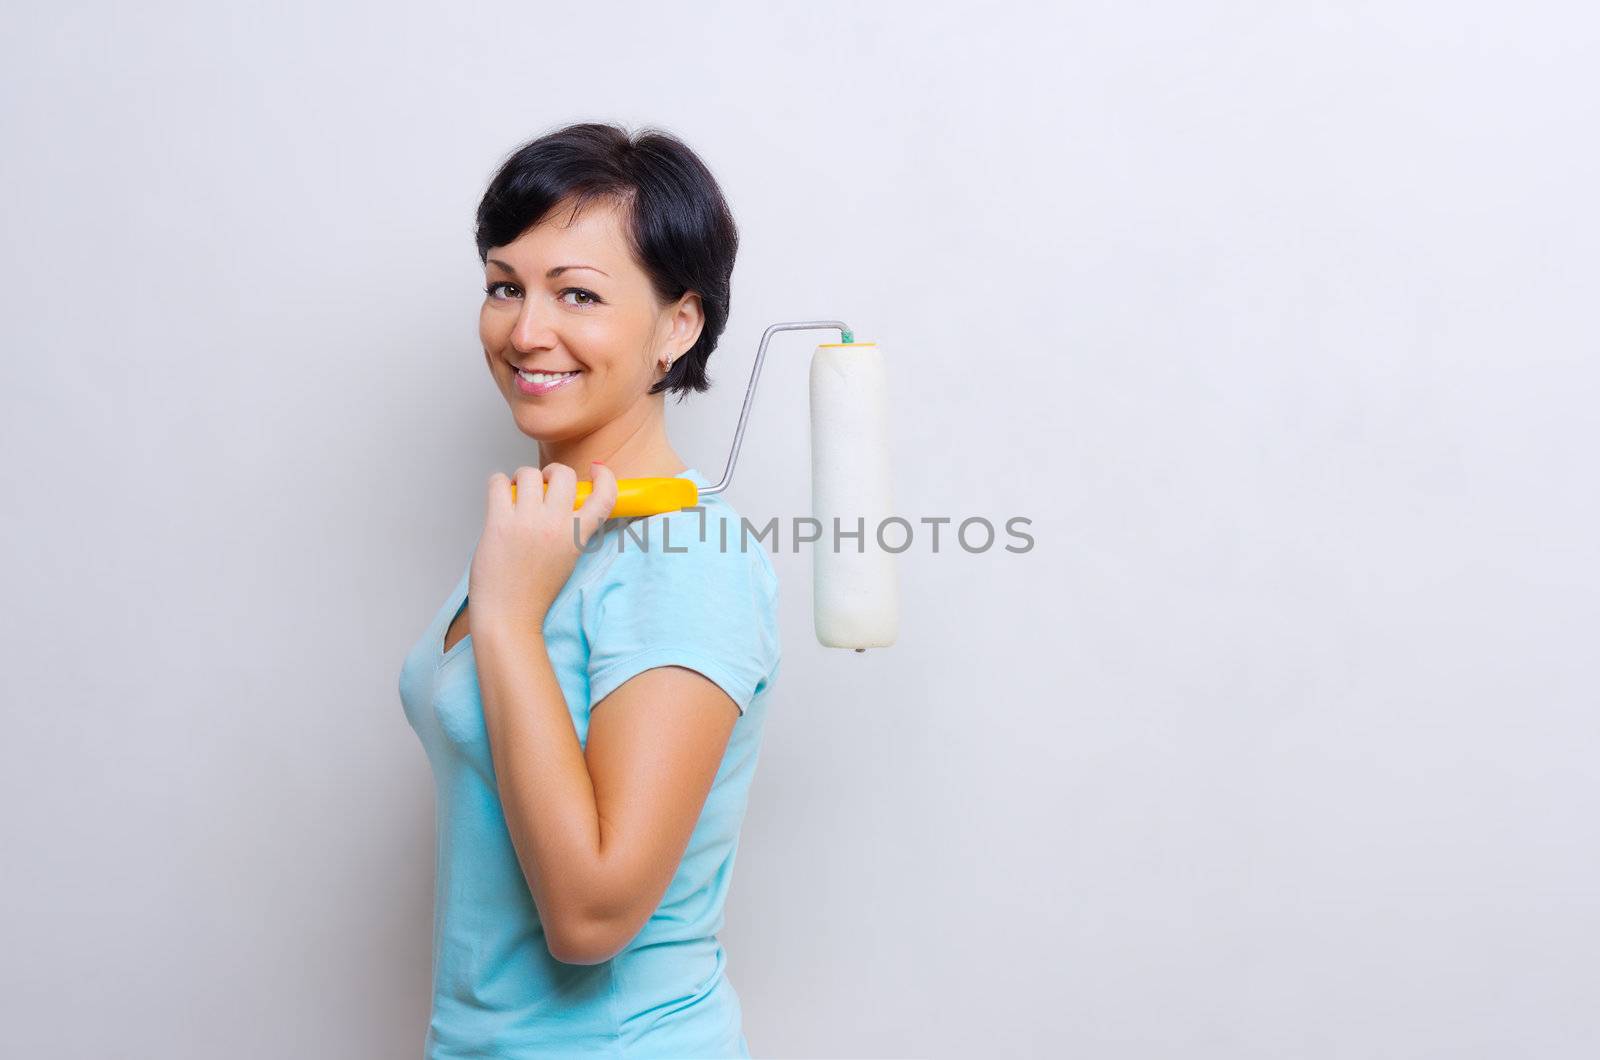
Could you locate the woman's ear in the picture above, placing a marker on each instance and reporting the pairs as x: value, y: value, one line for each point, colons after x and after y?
x: 687, y: 321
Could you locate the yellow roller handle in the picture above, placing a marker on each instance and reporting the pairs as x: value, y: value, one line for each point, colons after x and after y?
x: 641, y: 496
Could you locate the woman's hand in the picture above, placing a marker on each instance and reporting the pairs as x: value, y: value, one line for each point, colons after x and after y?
x: 529, y: 546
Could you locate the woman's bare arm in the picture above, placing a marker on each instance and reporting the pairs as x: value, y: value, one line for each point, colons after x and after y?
x: 599, y: 832
x: 655, y: 744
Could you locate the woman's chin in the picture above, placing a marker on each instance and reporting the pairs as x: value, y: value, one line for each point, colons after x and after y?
x: 542, y: 425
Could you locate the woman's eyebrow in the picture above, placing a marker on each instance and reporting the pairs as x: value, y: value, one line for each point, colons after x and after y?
x: 553, y: 273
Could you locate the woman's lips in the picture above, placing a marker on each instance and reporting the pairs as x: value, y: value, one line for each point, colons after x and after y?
x: 537, y: 389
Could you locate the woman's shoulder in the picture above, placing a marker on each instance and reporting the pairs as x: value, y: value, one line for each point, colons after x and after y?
x: 684, y: 577
x: 706, y: 533
x: 708, y: 538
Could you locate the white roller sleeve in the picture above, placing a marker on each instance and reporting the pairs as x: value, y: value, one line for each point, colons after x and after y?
x: 856, y: 599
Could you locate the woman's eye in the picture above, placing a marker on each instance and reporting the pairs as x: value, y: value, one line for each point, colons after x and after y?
x: 589, y: 295
x: 490, y: 290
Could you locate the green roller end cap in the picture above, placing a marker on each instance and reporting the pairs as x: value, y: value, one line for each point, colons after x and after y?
x: 847, y: 335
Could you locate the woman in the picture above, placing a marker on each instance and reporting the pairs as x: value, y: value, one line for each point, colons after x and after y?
x: 593, y: 726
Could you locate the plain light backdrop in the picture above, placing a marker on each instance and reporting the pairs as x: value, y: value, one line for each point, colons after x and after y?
x: 1278, y: 321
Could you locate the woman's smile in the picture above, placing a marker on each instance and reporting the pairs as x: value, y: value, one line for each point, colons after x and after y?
x: 533, y: 384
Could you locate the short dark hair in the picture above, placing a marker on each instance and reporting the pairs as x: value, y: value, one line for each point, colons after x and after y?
x: 679, y: 227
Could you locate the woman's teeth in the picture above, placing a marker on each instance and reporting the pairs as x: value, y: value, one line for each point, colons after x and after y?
x: 544, y: 377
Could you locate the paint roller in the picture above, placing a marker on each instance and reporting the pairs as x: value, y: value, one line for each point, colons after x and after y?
x: 854, y: 581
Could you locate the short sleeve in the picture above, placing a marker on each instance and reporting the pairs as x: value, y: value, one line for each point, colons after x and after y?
x: 665, y: 597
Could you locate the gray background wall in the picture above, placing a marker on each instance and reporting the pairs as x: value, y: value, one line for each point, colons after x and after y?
x: 1277, y: 320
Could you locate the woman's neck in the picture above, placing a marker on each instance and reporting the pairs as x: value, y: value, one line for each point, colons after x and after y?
x: 632, y: 446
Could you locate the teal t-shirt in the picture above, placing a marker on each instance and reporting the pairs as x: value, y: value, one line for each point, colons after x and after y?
x: 683, y: 588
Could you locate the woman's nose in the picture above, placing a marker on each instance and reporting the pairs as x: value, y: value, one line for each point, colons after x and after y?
x: 532, y: 331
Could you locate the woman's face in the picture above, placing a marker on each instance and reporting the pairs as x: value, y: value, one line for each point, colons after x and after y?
x: 566, y: 299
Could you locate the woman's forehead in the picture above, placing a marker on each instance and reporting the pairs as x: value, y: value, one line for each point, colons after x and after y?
x: 594, y: 236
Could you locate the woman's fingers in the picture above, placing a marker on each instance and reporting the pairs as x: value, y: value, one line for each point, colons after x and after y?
x: 551, y: 493
x: 562, y: 495
x: 601, y: 500
x: 498, y: 500
x: 530, y: 490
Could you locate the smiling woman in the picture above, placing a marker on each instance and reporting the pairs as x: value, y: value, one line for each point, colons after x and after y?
x: 593, y: 715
